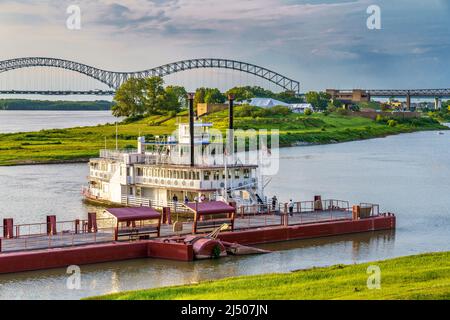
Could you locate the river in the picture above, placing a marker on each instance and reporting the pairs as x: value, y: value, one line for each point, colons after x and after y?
x: 26, y: 121
x: 407, y: 174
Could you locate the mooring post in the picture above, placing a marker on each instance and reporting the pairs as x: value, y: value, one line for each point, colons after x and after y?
x: 51, y: 225
x: 92, y: 222
x: 8, y: 228
x: 356, y: 212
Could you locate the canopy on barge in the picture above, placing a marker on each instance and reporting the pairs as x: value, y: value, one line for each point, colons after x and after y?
x: 136, y: 223
x: 211, y: 215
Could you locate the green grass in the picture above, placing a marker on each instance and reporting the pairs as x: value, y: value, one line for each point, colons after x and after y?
x: 417, y: 277
x: 82, y: 143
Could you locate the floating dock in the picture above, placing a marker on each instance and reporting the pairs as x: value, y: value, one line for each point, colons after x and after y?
x: 136, y: 233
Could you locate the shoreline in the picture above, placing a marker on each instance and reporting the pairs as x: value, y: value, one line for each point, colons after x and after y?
x: 292, y: 145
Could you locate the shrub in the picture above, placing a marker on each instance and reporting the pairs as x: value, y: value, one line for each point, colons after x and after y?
x: 308, y: 112
x: 342, y: 112
x: 392, y: 123
x: 280, y: 110
x: 379, y: 118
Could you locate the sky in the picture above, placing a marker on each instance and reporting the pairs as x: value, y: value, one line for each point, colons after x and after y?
x: 321, y: 43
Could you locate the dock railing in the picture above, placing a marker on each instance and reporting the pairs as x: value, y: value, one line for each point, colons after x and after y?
x: 67, y: 234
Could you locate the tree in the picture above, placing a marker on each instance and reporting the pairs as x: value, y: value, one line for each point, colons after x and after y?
x: 208, y: 95
x: 147, y: 96
x: 289, y: 97
x: 176, y: 98
x: 155, y: 95
x: 129, y: 98
x: 199, y: 97
x: 213, y: 95
x: 241, y: 93
x: 319, y: 100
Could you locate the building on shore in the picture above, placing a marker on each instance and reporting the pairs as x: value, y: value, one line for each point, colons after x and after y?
x: 348, y: 97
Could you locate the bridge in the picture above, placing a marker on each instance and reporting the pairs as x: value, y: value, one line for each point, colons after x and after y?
x: 365, y: 95
x: 115, y: 79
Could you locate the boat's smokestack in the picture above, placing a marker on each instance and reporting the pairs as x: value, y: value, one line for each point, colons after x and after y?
x: 191, y: 126
x: 230, y: 111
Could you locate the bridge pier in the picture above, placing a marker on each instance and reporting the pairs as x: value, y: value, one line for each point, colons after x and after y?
x: 437, y: 103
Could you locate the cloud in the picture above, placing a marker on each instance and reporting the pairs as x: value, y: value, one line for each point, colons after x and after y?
x: 320, y: 42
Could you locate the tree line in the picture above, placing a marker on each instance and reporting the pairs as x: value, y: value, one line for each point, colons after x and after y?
x: 25, y: 104
x: 148, y: 96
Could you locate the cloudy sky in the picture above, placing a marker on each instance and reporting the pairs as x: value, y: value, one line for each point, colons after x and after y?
x: 321, y: 43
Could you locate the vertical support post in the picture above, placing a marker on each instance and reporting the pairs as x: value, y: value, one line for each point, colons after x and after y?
x: 437, y: 103
x: 231, y: 112
x: 8, y: 228
x: 116, y: 231
x: 77, y: 226
x: 232, y: 216
x: 285, y: 215
x: 167, y: 219
x: 408, y: 101
x: 191, y: 128
x: 356, y: 212
x: 196, y: 216
x: 51, y: 225
x: 92, y: 222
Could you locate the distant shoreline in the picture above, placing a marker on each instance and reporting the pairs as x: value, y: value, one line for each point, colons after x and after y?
x: 59, y: 105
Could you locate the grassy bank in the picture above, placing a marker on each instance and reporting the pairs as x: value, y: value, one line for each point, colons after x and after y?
x: 416, y: 277
x: 79, y: 144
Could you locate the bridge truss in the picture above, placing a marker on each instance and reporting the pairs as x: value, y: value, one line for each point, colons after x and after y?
x: 115, y: 79
x: 412, y: 93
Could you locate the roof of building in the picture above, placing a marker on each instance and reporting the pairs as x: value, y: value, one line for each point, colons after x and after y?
x: 134, y: 214
x: 210, y: 207
x: 266, y: 102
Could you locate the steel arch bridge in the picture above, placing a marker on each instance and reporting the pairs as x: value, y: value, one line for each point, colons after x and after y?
x: 114, y: 79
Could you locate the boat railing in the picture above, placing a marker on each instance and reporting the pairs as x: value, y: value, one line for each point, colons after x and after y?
x: 116, y: 154
x: 158, y: 204
x: 65, y: 234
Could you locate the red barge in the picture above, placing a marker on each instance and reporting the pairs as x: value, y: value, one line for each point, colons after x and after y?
x: 143, y: 232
